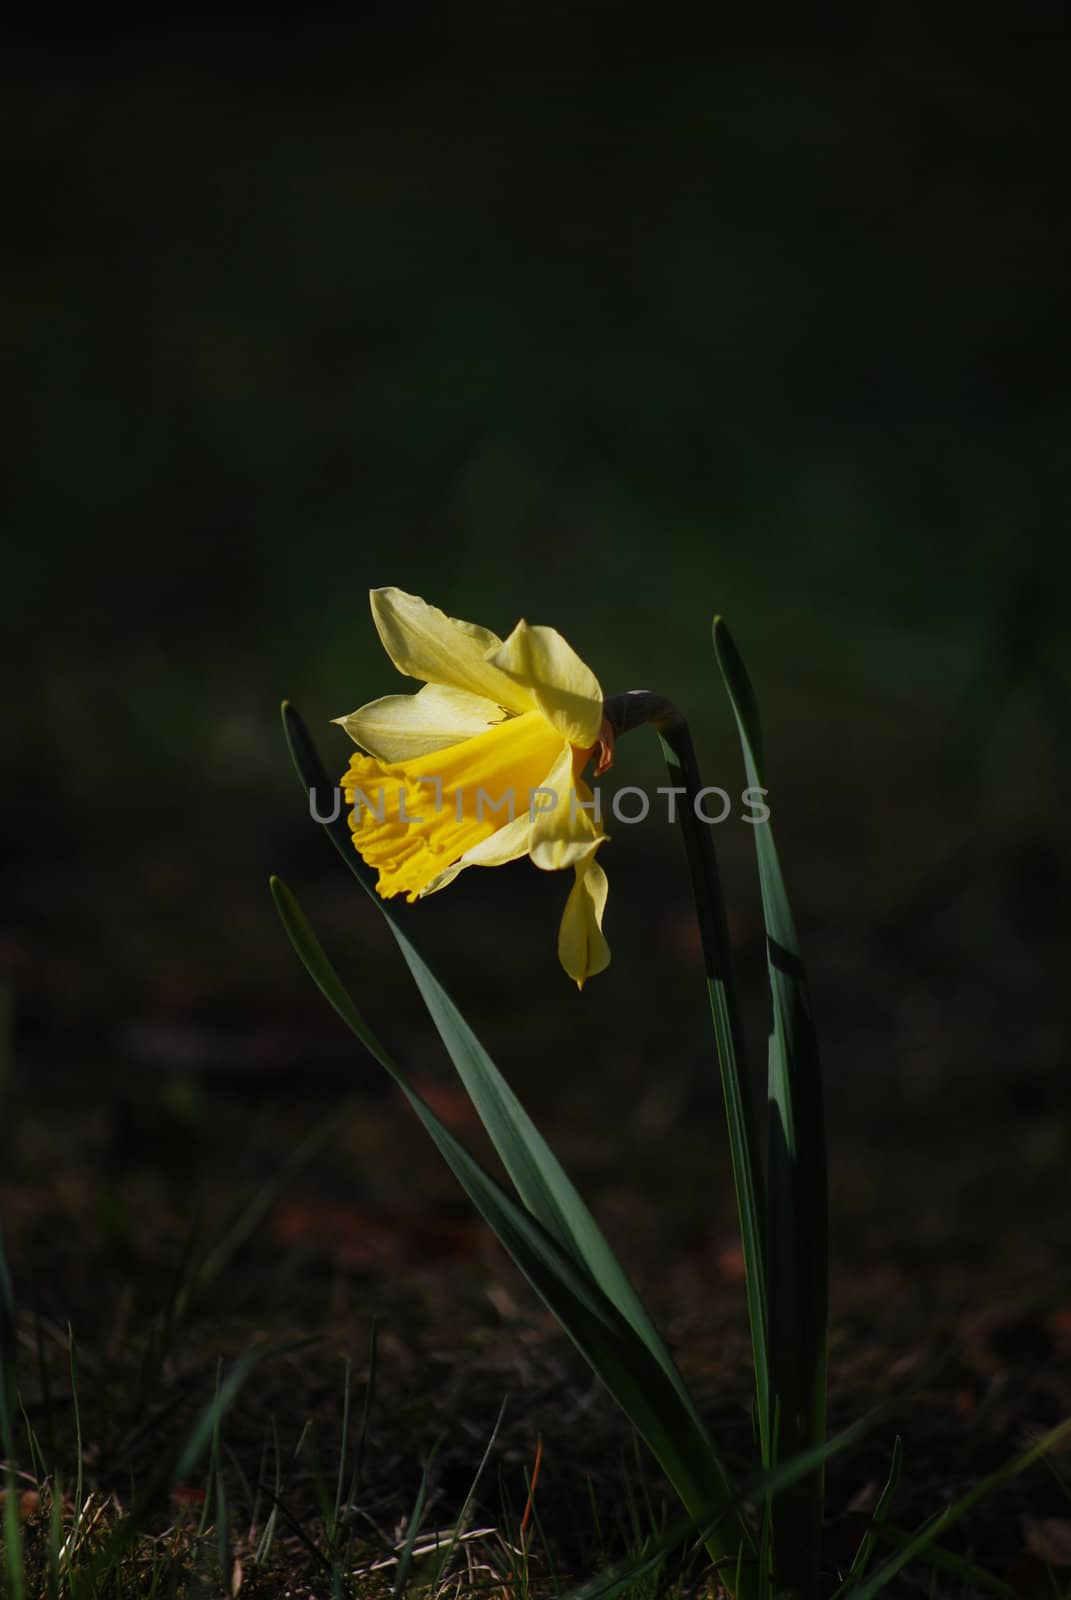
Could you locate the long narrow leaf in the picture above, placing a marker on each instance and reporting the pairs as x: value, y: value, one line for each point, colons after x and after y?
x: 535, y: 1171
x: 617, y: 1354
x: 881, y: 1512
x: 677, y: 747
x: 797, y: 1220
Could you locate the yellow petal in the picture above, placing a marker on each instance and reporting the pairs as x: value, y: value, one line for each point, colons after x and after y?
x: 486, y: 640
x: 417, y: 818
x: 565, y: 690
x: 508, y: 844
x: 424, y: 642
x: 582, y: 949
x: 402, y: 725
x: 564, y: 829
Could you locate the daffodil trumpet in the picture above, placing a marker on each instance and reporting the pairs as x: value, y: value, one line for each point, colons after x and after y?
x: 482, y: 765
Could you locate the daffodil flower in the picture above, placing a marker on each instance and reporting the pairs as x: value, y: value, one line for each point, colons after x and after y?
x: 482, y: 765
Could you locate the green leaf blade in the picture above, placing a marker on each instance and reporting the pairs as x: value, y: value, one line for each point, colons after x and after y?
x: 711, y: 915
x: 797, y: 1213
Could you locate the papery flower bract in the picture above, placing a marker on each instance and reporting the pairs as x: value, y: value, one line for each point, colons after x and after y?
x: 482, y: 765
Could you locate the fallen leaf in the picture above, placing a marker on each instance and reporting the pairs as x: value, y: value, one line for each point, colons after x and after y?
x: 185, y: 1494
x: 354, y: 1239
x: 730, y: 1263
x: 365, y: 1243
x: 449, y: 1102
x: 29, y: 1501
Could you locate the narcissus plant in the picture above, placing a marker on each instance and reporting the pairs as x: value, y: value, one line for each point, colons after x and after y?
x: 520, y: 719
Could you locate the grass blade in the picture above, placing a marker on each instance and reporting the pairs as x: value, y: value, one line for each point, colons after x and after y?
x: 797, y: 1213
x: 461, y: 1521
x: 12, y: 1524
x: 916, y: 1546
x: 881, y: 1511
x: 12, y: 1521
x: 207, y: 1424
x: 264, y: 1544
x: 79, y: 1454
x: 366, y: 1415
x: 416, y: 1517
x: 340, y: 1475
x: 223, y: 1532
x: 7, y: 1308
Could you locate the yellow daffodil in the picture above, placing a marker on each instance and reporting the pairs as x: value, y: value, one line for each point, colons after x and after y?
x: 482, y: 765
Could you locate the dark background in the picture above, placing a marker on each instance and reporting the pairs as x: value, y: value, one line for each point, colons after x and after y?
x: 610, y: 325
x: 569, y: 318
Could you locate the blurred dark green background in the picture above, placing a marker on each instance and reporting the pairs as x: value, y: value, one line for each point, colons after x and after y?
x: 613, y: 324
x: 564, y: 316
